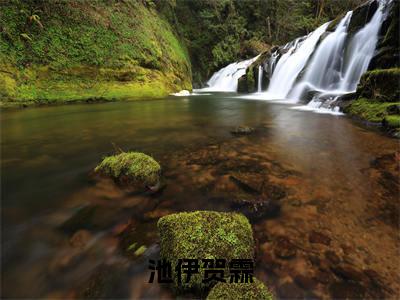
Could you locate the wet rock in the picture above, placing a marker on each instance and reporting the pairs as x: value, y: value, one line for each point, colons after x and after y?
x: 332, y: 257
x: 91, y: 217
x: 347, y: 290
x: 257, y: 209
x: 290, y: 290
x: 246, y: 184
x: 104, y: 283
x: 306, y: 282
x: 243, y: 130
x: 284, y: 249
x: 316, y: 237
x: 80, y: 239
x: 348, y: 272
x: 324, y: 277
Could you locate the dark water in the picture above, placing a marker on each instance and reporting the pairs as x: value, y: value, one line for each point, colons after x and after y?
x: 47, y: 154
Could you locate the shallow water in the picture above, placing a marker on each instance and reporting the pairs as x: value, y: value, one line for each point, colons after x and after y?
x: 337, y: 179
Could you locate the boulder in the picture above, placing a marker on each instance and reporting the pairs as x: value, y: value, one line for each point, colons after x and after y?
x: 240, y: 291
x: 201, y: 235
x: 131, y: 169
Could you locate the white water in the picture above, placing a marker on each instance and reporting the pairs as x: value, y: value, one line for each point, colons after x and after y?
x: 336, y: 68
x: 291, y: 63
x: 329, y: 70
x: 259, y: 81
x: 226, y: 79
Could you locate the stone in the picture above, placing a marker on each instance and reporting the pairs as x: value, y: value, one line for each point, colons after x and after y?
x: 204, y: 234
x: 243, y: 130
x: 131, y: 169
x: 316, y: 237
x: 80, y: 239
x: 240, y: 291
x: 257, y: 209
x: 284, y: 249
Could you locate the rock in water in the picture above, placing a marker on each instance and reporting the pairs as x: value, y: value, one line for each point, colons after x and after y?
x: 133, y: 169
x: 201, y: 235
x: 240, y: 291
x: 243, y: 130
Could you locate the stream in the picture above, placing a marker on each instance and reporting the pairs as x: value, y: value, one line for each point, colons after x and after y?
x: 335, y: 183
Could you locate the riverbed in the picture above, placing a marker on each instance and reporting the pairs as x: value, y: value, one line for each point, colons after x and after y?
x: 331, y: 186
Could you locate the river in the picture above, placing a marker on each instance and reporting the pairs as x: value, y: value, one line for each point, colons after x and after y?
x: 333, y: 180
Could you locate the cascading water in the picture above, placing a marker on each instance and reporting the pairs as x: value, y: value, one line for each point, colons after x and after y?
x: 226, y: 79
x: 259, y: 81
x: 336, y: 67
x: 291, y: 63
x: 312, y: 66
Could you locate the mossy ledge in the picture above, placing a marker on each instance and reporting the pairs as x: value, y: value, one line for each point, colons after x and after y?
x: 377, y: 99
x: 204, y: 235
x: 131, y: 168
x: 240, y: 291
x: 73, y: 52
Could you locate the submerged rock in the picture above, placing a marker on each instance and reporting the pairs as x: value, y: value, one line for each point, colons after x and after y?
x: 204, y: 234
x: 238, y: 291
x: 243, y: 130
x: 131, y: 169
x: 257, y: 209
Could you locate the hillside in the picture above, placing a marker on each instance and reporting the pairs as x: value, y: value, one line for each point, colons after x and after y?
x: 58, y: 51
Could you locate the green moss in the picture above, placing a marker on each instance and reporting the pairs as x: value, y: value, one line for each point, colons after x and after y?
x: 240, y: 291
x: 136, y: 166
x: 380, y: 84
x: 97, y: 49
x: 392, y: 121
x: 370, y: 110
x: 204, y: 235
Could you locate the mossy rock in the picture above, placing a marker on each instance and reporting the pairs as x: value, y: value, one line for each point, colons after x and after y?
x: 240, y: 291
x: 380, y: 84
x: 392, y: 121
x: 204, y: 235
x: 131, y: 168
x: 370, y: 110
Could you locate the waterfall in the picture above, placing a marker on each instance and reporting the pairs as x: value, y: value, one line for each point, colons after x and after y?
x: 321, y: 66
x: 336, y: 67
x: 259, y: 83
x: 226, y: 79
x: 291, y: 63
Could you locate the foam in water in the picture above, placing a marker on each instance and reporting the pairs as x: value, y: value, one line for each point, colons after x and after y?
x: 259, y: 82
x: 226, y: 79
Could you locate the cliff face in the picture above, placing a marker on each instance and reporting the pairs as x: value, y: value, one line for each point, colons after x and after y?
x: 58, y: 51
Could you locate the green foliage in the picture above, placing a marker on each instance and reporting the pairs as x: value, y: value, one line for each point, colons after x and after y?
x: 134, y: 165
x: 240, y: 291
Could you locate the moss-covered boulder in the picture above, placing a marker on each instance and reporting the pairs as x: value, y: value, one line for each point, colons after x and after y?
x: 240, y: 291
x: 131, y: 169
x: 381, y: 85
x: 204, y: 235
